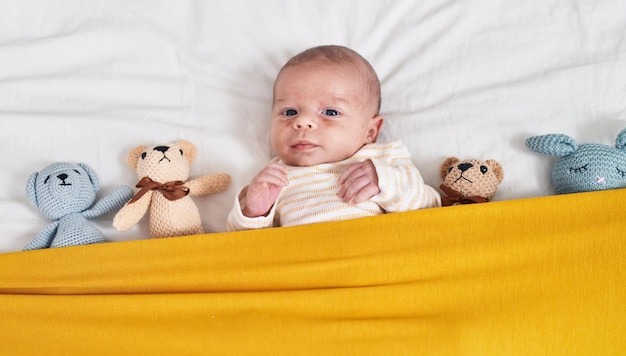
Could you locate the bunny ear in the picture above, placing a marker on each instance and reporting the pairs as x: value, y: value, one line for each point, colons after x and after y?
x: 620, y: 141
x: 552, y: 144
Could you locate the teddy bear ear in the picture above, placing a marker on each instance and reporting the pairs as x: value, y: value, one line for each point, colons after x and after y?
x: 189, y: 150
x: 443, y: 171
x: 552, y: 144
x: 31, y: 191
x: 133, y: 156
x: 93, y: 177
x: 497, y: 169
x: 620, y: 142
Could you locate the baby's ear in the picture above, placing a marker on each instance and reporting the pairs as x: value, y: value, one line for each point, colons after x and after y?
x: 374, y: 128
x: 552, y: 144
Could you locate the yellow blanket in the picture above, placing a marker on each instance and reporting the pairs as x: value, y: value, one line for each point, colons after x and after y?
x: 541, y: 276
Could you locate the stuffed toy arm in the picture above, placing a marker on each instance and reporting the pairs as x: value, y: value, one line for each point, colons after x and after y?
x: 208, y: 184
x: 44, y: 238
x: 113, y: 201
x: 131, y: 213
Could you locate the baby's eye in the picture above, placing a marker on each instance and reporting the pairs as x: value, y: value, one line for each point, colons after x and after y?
x: 579, y: 169
x: 330, y: 112
x: 290, y: 112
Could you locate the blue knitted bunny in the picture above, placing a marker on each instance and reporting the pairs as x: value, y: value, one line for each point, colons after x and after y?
x: 65, y: 193
x: 585, y: 167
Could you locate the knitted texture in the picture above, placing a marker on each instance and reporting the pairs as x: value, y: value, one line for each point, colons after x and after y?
x: 469, y: 181
x: 166, y: 190
x: 585, y: 167
x: 65, y: 193
x: 312, y: 193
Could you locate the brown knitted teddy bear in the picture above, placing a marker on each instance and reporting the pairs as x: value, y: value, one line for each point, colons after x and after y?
x: 469, y: 181
x: 165, y: 190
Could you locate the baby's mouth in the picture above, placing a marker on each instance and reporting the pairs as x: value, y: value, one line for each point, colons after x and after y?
x: 303, y: 146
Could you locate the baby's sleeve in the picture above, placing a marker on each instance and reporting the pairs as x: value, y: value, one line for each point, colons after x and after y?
x: 402, y: 187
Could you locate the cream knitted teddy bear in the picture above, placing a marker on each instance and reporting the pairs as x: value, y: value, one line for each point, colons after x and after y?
x: 165, y: 190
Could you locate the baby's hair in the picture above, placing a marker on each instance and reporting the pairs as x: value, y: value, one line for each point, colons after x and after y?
x: 343, y: 56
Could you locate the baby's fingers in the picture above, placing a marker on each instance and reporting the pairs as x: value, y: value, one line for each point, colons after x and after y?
x: 273, y: 174
x: 345, y: 175
x: 360, y: 190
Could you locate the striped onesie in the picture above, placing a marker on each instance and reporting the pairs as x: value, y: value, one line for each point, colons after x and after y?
x: 311, y: 195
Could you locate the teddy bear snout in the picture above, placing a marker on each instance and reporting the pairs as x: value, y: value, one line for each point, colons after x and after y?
x: 63, y: 177
x: 465, y: 166
x: 163, y: 149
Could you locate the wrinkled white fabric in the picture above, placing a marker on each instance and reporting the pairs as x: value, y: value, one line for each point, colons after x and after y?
x: 86, y: 81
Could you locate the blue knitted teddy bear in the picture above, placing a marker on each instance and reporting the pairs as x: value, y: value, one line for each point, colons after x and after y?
x: 585, y: 167
x: 65, y: 193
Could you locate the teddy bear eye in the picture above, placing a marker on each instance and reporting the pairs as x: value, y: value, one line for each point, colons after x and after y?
x: 77, y: 171
x: 143, y: 155
x: 46, y: 180
x: 622, y: 172
x: 181, y: 152
x: 579, y: 169
x: 483, y: 169
x: 450, y: 169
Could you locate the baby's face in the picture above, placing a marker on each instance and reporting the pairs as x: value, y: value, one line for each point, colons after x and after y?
x: 321, y: 113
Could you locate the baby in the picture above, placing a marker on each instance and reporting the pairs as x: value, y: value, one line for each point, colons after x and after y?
x: 328, y: 166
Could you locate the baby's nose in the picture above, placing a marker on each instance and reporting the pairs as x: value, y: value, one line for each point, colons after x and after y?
x: 304, y: 123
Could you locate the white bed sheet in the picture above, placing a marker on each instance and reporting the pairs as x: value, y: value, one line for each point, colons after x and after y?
x: 85, y: 81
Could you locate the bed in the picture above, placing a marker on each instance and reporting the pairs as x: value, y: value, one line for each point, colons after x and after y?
x: 530, y: 272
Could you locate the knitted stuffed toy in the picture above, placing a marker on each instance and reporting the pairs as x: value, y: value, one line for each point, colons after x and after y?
x: 585, y: 167
x: 65, y: 193
x: 165, y: 190
x: 469, y: 181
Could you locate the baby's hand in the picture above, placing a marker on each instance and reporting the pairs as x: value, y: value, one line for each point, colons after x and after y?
x: 359, y: 182
x: 264, y: 189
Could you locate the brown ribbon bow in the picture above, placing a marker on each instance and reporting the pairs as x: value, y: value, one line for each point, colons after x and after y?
x: 455, y: 197
x: 171, y: 190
